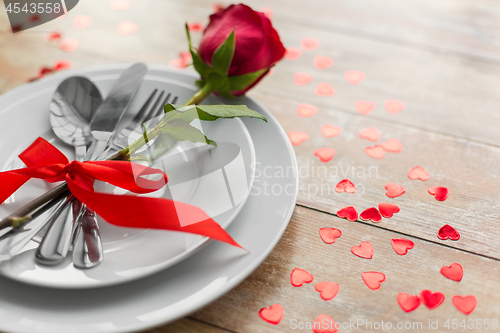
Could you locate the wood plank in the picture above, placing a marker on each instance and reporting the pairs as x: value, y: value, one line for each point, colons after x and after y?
x: 187, y: 325
x: 301, y: 247
x: 468, y: 169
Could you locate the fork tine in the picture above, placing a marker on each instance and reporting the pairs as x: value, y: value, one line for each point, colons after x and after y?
x: 161, y: 108
x: 141, y: 115
x: 152, y: 112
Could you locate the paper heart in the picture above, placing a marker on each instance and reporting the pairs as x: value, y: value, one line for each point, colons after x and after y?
x: 324, y: 89
x: 297, y: 138
x: 371, y: 214
x: 388, y: 209
x: 126, y: 28
x: 293, y: 53
x: 348, y: 213
x: 69, y: 45
x: 373, y: 280
x: 268, y: 12
x: 324, y: 154
x: 329, y: 131
x: 300, y: 276
x: 324, y: 324
x: 354, y: 77
x: 418, y: 173
x: 305, y: 110
x: 328, y: 235
x: 119, y: 5
x: 53, y: 37
x: 375, y: 152
x: 195, y: 27
x: 401, y: 245
x: 309, y: 44
x: 453, y: 272
x: 370, y: 133
x: 430, y: 299
x: 392, y: 146
x: 394, y: 190
x: 465, y: 304
x: 364, y: 107
x: 272, y: 314
x: 447, y: 231
x: 363, y: 250
x: 322, y: 62
x: 63, y: 64
x: 178, y: 63
x: 82, y: 21
x: 301, y: 79
x: 345, y: 185
x: 327, y: 290
x: 392, y: 106
x: 407, y: 302
x: 440, y: 193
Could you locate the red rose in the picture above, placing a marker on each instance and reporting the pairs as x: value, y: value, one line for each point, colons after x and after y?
x: 257, y: 45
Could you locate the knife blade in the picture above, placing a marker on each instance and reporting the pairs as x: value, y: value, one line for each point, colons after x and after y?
x: 56, y: 242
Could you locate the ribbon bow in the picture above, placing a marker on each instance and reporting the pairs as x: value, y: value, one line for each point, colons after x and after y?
x: 44, y: 161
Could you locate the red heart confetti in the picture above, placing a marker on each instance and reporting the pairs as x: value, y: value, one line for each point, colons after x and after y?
x: 401, y: 245
x: 324, y: 89
x: 370, y: 133
x: 217, y: 7
x: 323, y: 320
x: 394, y: 190
x: 372, y: 214
x: 345, y: 185
x: 126, y: 28
x: 305, y: 110
x: 45, y: 70
x: 392, y: 106
x: 447, y: 231
x: 292, y: 53
x: 328, y: 235
x: 373, y: 280
x: 69, y: 45
x: 324, y: 154
x: 63, y: 64
x: 178, y: 63
x: 327, y: 290
x: 268, y: 12
x: 272, y: 314
x: 354, y: 77
x: 407, y: 302
x: 465, y: 304
x: 363, y: 250
x: 119, y: 5
x: 348, y: 213
x: 195, y: 27
x: 309, y: 44
x: 375, y: 152
x: 301, y: 79
x: 53, y: 37
x: 322, y: 62
x: 82, y: 21
x: 364, y: 107
x: 300, y: 276
x: 418, y: 173
x: 297, y: 138
x: 329, y: 131
x: 430, y: 299
x: 34, y: 18
x: 453, y: 272
x: 440, y: 193
x: 388, y: 209
x: 392, y: 146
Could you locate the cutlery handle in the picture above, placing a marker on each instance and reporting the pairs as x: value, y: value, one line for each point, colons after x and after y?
x: 87, y: 249
x: 97, y: 147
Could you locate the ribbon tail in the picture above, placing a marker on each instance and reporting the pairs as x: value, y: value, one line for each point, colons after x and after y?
x: 10, y: 182
x: 140, y: 212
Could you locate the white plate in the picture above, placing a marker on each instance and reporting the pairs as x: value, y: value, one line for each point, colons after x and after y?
x: 129, y: 253
x: 187, y: 286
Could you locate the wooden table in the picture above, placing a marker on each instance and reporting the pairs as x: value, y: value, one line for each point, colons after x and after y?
x: 441, y: 58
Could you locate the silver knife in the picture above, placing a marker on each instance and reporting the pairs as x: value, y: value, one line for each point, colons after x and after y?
x: 56, y: 242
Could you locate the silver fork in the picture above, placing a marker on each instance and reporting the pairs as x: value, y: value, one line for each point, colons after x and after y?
x: 87, y: 246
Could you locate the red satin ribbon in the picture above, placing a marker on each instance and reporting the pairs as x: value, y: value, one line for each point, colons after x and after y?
x: 46, y: 162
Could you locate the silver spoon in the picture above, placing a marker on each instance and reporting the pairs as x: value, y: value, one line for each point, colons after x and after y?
x: 74, y: 104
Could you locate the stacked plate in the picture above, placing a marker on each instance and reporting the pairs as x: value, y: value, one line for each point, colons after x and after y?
x: 150, y: 277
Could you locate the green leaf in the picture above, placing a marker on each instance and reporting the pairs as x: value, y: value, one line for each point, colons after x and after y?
x: 224, y: 55
x: 201, y: 67
x: 241, y: 82
x: 180, y: 130
x: 163, y: 143
x: 209, y: 112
